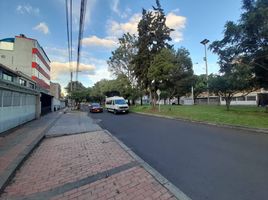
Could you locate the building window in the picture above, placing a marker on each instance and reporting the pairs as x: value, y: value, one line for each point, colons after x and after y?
x: 23, y: 82
x: 251, y: 98
x: 31, y: 85
x: 242, y: 98
x: 7, y: 77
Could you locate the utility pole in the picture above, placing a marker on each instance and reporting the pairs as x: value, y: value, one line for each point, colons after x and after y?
x: 204, y: 42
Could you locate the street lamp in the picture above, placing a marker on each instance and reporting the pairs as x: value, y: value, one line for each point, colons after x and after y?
x: 204, y: 42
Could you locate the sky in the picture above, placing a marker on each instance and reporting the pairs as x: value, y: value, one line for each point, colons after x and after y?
x: 105, y: 22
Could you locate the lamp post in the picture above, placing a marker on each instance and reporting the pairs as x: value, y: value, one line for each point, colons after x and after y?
x: 204, y: 42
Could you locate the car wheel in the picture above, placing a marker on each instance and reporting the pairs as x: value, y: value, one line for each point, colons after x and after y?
x: 115, y: 112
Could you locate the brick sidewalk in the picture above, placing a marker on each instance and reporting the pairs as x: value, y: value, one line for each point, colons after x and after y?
x: 16, y: 145
x: 83, y: 166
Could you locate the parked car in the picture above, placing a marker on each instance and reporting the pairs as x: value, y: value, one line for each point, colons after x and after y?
x: 95, y: 108
x: 116, y: 105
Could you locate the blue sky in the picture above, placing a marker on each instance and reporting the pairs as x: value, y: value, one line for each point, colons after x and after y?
x: 106, y: 20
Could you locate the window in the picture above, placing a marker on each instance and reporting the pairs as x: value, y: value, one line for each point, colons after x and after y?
x: 23, y: 82
x: 31, y: 85
x: 251, y: 98
x: 109, y: 102
x: 7, y: 77
x: 242, y: 98
x: 7, y: 98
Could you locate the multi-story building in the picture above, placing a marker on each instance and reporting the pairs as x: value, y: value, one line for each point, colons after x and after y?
x: 55, y: 90
x: 27, y: 56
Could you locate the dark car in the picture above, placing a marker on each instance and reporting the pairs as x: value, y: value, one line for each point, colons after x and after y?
x: 95, y: 108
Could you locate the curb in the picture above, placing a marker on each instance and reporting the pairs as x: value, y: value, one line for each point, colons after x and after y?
x: 162, y: 180
x: 22, y: 157
x: 237, y: 127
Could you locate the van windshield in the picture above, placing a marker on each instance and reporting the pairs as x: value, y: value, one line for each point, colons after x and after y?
x: 120, y: 101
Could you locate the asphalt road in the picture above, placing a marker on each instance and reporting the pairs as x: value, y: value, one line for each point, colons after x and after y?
x: 205, y: 162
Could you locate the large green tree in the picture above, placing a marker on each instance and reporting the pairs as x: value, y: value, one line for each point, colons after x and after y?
x: 153, y: 36
x: 246, y: 41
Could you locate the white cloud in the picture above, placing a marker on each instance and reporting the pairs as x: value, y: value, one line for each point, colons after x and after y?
x: 117, y: 29
x: 177, y: 23
x: 96, y: 41
x: 115, y: 9
x: 174, y: 21
x: 63, y: 68
x: 22, y: 9
x: 42, y: 27
x: 101, y: 73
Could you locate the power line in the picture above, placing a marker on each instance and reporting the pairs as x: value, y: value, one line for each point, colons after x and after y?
x: 80, y: 35
x: 68, y: 38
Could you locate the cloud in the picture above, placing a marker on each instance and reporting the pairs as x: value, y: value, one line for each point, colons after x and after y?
x: 63, y: 68
x: 177, y: 23
x: 102, y: 42
x: 42, y: 27
x: 174, y: 21
x: 115, y: 9
x: 117, y: 29
x: 27, y: 9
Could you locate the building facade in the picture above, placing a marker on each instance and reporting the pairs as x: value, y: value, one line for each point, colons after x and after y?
x: 27, y: 56
x: 19, y: 100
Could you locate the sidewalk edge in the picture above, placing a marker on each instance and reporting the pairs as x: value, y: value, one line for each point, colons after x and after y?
x: 161, y: 179
x: 22, y: 157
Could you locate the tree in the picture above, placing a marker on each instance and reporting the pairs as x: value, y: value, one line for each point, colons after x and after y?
x: 247, y: 41
x: 200, y: 84
x: 121, y: 61
x: 153, y: 36
x: 238, y: 80
x: 182, y: 75
x: 76, y: 85
x: 160, y: 70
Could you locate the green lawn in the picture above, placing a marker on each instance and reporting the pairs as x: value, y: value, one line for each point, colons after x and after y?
x: 249, y: 116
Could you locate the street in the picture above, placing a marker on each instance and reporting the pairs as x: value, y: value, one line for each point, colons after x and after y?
x: 205, y: 162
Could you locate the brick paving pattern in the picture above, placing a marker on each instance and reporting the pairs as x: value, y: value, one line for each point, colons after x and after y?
x: 74, y: 167
x: 13, y: 144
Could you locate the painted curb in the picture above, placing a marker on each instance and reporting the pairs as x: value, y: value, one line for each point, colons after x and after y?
x: 22, y: 157
x: 161, y: 179
x: 243, y: 128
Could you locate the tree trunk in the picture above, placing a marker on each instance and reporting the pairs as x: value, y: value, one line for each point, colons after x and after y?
x: 178, y: 97
x: 141, y: 101
x: 228, y: 102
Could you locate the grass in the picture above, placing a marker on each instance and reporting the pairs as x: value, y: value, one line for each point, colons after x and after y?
x: 248, y: 116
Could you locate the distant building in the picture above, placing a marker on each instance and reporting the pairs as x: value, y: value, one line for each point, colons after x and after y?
x: 27, y: 56
x: 55, y: 90
x: 57, y: 101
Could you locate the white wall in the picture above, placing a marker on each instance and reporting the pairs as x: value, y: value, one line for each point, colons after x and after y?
x: 12, y: 116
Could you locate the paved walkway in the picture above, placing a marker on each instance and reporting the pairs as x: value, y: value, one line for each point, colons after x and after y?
x: 17, y: 144
x: 73, y: 122
x: 89, y: 165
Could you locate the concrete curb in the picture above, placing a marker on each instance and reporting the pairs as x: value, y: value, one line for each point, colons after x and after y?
x: 243, y: 128
x: 19, y: 160
x: 162, y: 180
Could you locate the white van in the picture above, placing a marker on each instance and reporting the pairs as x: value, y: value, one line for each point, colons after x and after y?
x: 116, y: 105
